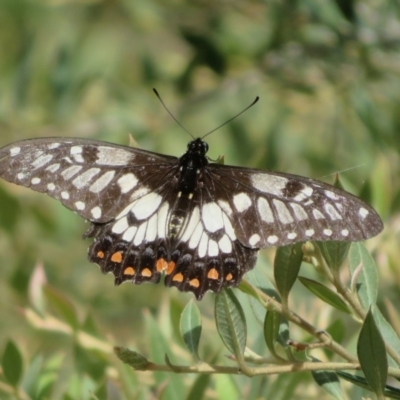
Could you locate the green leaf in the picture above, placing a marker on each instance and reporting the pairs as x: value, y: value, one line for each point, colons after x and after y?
x: 372, y: 355
x: 329, y: 381
x: 362, y: 264
x: 231, y: 322
x: 388, y: 334
x: 62, y: 305
x: 325, y: 294
x: 390, y: 391
x: 190, y: 327
x: 199, y: 387
x: 12, y: 363
x: 132, y: 358
x: 271, y: 330
x: 334, y: 252
x: 286, y: 268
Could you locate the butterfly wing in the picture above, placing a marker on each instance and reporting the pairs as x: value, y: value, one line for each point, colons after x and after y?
x: 95, y: 179
x: 274, y: 209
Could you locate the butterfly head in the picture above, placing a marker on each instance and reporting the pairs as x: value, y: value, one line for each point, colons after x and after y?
x: 197, y: 147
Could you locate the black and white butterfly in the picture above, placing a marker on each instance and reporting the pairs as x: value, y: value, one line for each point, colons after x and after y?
x: 200, y: 223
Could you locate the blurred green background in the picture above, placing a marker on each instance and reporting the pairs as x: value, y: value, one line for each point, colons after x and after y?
x: 328, y: 76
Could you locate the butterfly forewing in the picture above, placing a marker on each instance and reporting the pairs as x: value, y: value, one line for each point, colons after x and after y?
x: 95, y: 179
x: 200, y: 224
x: 273, y: 209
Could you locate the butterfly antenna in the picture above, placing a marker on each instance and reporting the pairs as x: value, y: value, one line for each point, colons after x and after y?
x: 231, y: 119
x: 170, y: 113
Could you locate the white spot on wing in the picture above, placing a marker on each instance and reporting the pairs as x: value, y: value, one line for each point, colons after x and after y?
x: 53, y: 146
x: 51, y: 186
x: 127, y: 182
x: 299, y: 212
x: 102, y: 182
x: 363, y: 212
x: 194, y: 220
x: 146, y: 205
x: 41, y: 161
x: 53, y: 167
x: 71, y: 171
x: 65, y: 195
x: 318, y: 214
x: 21, y: 176
x: 283, y: 213
x: 225, y: 207
x: 327, y: 232
x: 195, y: 238
x: 76, y: 150
x: 228, y: 227
x: 310, y: 232
x: 151, y: 231
x: 203, y: 245
x: 35, y: 181
x: 14, y: 151
x: 162, y: 220
x: 272, y: 239
x: 129, y: 234
x: 212, y: 248
x: 80, y: 205
x: 212, y: 217
x: 345, y: 232
x: 331, y: 195
x: 139, y: 193
x: 139, y: 237
x: 332, y: 212
x: 265, y: 210
x: 225, y: 244
x: 83, y: 179
x: 96, y: 212
x: 292, y: 235
x: 120, y: 226
x: 269, y: 183
x: 241, y: 201
x: 113, y: 156
x: 254, y: 239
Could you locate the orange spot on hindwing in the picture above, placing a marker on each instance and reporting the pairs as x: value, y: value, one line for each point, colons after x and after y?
x: 229, y: 277
x: 178, y: 277
x: 116, y: 257
x: 129, y: 271
x: 194, y: 282
x: 161, y: 265
x: 146, y: 272
x: 170, y: 268
x: 100, y: 254
x: 212, y: 274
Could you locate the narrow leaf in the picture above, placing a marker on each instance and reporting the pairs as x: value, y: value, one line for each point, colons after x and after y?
x: 329, y: 381
x: 388, y: 334
x: 286, y: 268
x: 334, y: 252
x: 271, y: 330
x: 372, y: 354
x: 62, y: 305
x: 325, y: 294
x: 190, y: 328
x: 367, y: 280
x: 12, y: 363
x: 390, y: 391
x: 231, y: 322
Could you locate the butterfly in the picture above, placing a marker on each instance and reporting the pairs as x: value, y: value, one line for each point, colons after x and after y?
x: 201, y: 224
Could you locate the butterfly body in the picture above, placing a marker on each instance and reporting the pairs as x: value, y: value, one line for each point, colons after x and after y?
x: 199, y: 223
